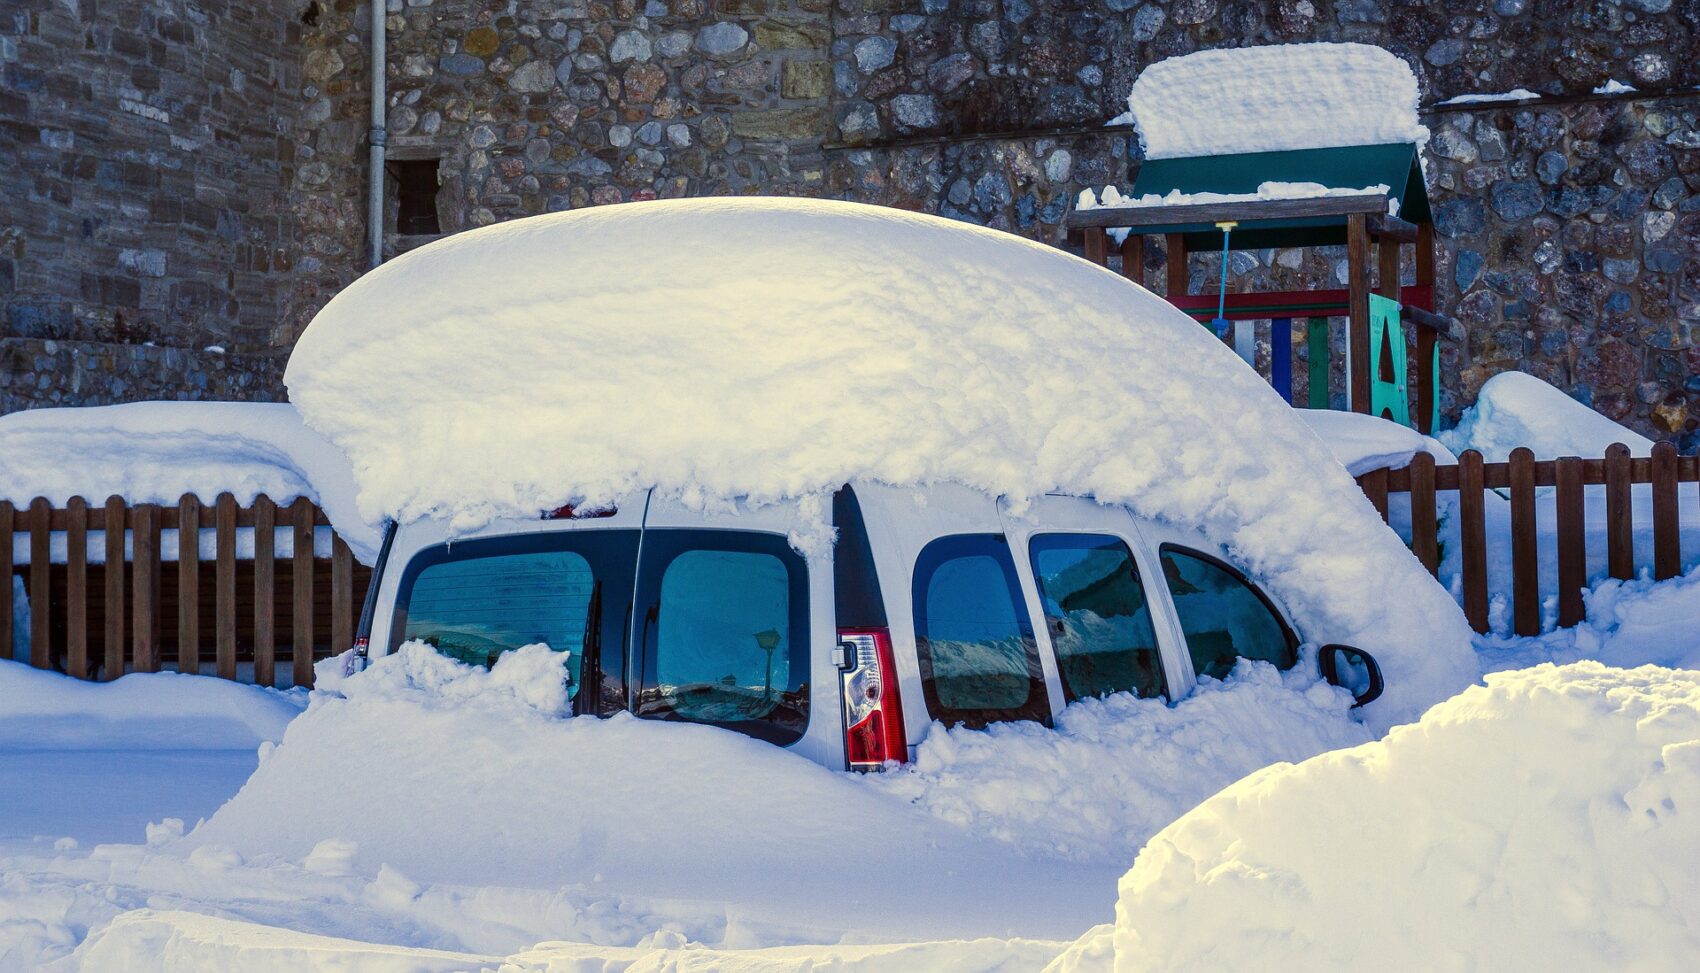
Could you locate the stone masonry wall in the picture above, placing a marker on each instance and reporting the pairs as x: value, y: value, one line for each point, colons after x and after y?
x: 143, y: 231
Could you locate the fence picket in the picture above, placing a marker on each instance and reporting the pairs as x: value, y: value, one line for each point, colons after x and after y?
x: 342, y: 596
x: 1570, y: 523
x: 144, y: 588
x: 1425, y: 534
x: 1667, y: 539
x: 301, y: 592
x: 224, y: 595
x: 6, y: 514
x: 1472, y: 539
x: 113, y: 572
x: 77, y: 588
x: 265, y: 642
x: 1374, y: 484
x: 189, y: 584
x: 40, y: 584
x: 1525, y: 560
x: 1620, y: 535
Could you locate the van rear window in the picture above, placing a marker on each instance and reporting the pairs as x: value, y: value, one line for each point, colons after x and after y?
x: 474, y: 600
x: 723, y: 628
x: 973, y: 639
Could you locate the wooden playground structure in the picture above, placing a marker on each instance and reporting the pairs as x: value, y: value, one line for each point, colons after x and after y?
x: 1384, y: 373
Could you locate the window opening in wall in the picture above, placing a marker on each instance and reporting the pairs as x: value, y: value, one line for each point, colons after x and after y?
x: 416, y: 196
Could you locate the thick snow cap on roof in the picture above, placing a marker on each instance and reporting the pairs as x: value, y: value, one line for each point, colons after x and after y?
x: 1274, y: 98
x: 768, y: 348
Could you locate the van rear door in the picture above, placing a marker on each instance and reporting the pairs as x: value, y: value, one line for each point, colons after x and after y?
x: 733, y: 627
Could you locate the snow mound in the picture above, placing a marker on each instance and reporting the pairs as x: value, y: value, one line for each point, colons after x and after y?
x: 1113, y: 771
x: 1363, y: 443
x: 776, y: 348
x: 155, y: 452
x: 1517, y: 409
x: 41, y: 710
x: 1629, y: 623
x: 1273, y: 98
x: 1545, y: 821
x: 186, y: 942
x: 726, y: 838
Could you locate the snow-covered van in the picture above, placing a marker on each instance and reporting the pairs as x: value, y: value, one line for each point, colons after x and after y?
x: 934, y: 604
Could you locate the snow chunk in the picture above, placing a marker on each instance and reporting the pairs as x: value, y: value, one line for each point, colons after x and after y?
x: 1113, y: 197
x: 1273, y: 98
x: 1545, y: 821
x: 784, y: 347
x: 41, y: 710
x: 534, y: 675
x: 1486, y: 98
x: 1517, y: 409
x: 1363, y: 443
x: 155, y: 452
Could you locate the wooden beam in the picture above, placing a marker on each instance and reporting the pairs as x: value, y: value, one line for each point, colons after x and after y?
x: 1357, y: 311
x: 1387, y: 259
x: 1382, y: 226
x: 1133, y: 258
x: 1259, y: 305
x: 1098, y: 246
x: 1175, y: 265
x: 1247, y: 212
x: 1425, y: 254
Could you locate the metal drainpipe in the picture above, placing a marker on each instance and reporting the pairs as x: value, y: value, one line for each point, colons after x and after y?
x: 378, y: 138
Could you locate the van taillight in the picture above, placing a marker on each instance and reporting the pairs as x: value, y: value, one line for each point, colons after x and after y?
x: 873, y: 710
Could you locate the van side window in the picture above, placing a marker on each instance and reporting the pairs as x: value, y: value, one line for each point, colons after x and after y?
x: 1096, y: 612
x: 978, y: 659
x: 1224, y: 617
x: 474, y: 600
x: 725, y: 632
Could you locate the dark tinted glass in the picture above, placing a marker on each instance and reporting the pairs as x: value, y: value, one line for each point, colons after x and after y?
x: 725, y: 632
x: 474, y: 600
x: 973, y: 639
x: 1097, y: 615
x: 1223, y: 616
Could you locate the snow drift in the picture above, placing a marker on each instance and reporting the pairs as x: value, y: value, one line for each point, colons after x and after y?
x: 1275, y: 97
x: 778, y: 348
x: 1517, y: 409
x: 42, y: 710
x: 155, y: 452
x: 1546, y: 821
x: 730, y: 840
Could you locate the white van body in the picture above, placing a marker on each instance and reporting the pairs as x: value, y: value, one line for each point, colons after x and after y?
x: 897, y: 526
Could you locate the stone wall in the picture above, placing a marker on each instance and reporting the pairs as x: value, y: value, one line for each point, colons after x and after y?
x: 144, y: 230
x: 1567, y: 231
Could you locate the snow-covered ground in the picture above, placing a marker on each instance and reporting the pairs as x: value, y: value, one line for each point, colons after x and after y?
x: 482, y: 822
x: 1548, y: 814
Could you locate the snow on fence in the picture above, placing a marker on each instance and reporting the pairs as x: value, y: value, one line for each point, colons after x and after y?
x: 198, y: 587
x: 1568, y: 524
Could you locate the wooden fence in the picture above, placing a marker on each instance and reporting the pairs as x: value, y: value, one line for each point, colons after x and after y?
x: 1664, y: 472
x: 137, y: 608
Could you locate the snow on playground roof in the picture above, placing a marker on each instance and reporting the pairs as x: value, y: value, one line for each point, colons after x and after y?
x: 155, y: 452
x: 1274, y: 98
x: 767, y: 348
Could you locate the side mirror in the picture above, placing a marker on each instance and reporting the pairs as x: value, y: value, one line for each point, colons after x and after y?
x: 1353, y: 670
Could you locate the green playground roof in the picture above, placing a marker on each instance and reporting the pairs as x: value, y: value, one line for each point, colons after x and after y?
x: 1396, y: 166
